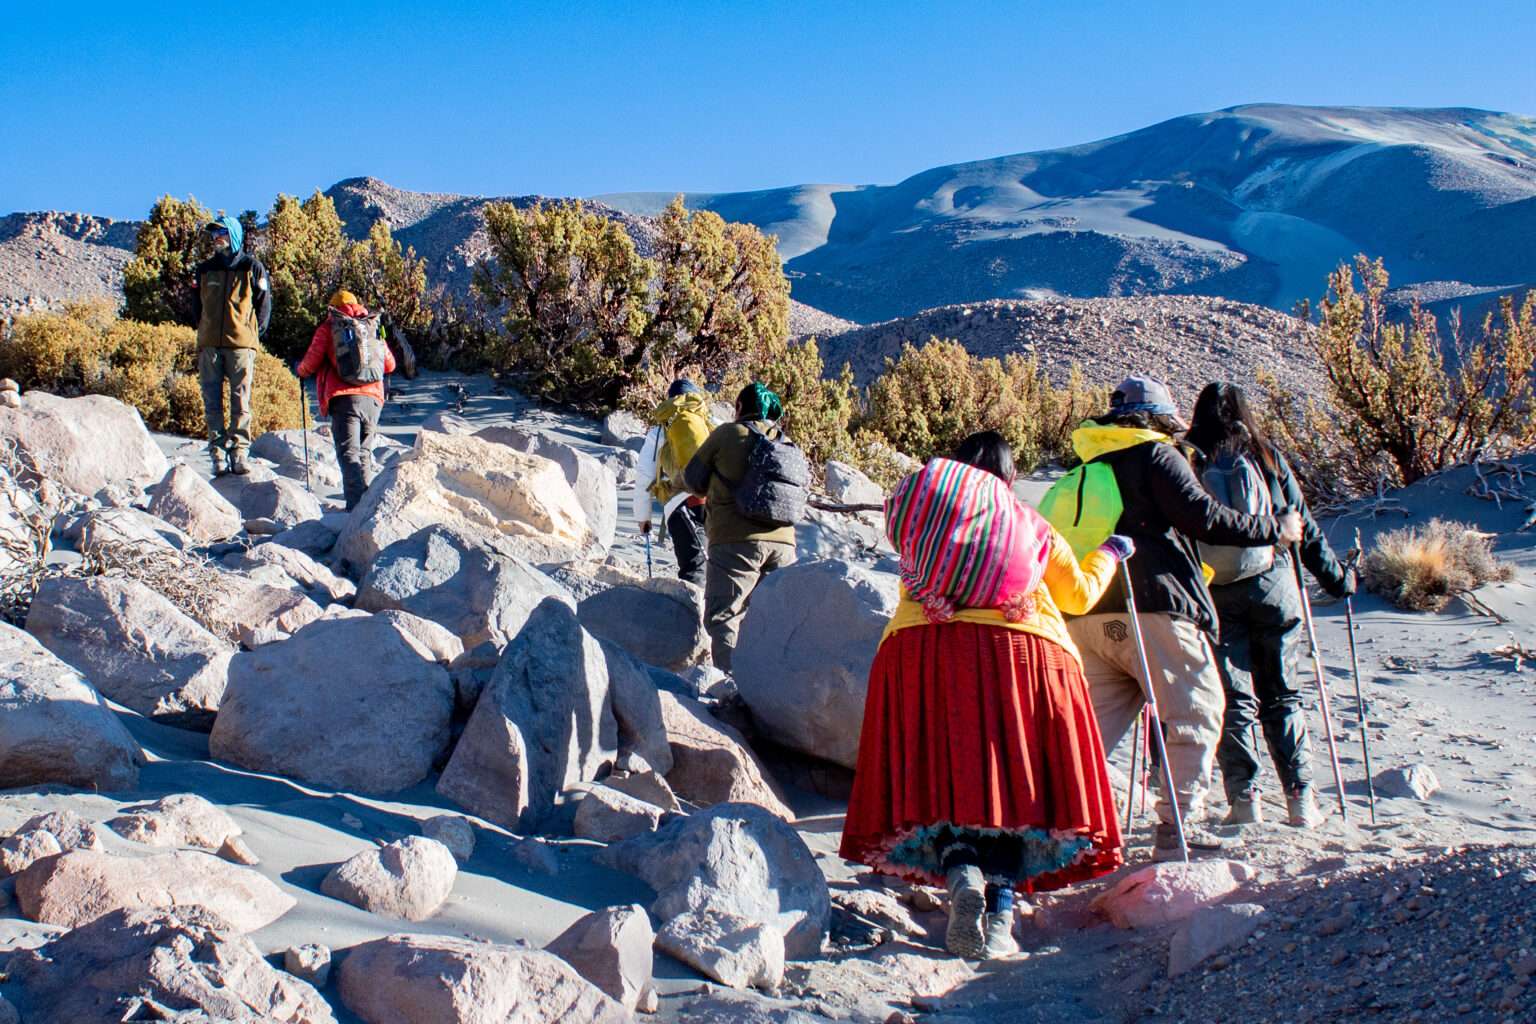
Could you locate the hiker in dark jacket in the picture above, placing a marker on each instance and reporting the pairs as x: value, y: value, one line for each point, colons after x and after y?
x: 1261, y: 622
x: 741, y: 550
x: 1165, y: 511
x: 232, y: 307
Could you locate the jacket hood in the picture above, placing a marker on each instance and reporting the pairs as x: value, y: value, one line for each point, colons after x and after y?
x: 696, y: 402
x: 236, y: 233
x: 1092, y: 440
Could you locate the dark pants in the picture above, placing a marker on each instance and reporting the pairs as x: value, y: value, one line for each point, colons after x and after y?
x: 733, y: 571
x: 1260, y: 644
x: 354, y: 418
x: 686, y: 528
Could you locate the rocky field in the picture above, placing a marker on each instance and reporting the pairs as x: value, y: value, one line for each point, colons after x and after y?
x: 458, y: 756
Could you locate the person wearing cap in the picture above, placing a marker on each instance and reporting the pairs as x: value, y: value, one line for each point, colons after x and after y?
x: 741, y: 550
x: 233, y: 304
x: 679, y: 426
x: 353, y: 408
x: 1165, y: 512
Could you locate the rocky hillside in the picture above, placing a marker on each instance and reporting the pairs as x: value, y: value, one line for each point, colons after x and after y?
x: 1254, y: 203
x: 1186, y: 340
x: 50, y: 258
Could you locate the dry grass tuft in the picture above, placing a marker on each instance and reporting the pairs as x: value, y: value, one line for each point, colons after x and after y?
x: 1422, y: 568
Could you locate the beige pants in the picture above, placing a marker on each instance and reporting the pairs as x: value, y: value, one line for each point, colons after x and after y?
x: 732, y: 573
x: 215, y: 368
x: 1184, y: 678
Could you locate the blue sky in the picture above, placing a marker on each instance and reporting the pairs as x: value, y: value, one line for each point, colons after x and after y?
x: 104, y: 106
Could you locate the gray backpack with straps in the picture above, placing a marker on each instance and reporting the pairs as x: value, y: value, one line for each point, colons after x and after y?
x: 359, y: 348
x: 776, y: 486
x: 1237, y: 482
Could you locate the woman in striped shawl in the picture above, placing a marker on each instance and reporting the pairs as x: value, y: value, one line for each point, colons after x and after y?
x: 980, y: 765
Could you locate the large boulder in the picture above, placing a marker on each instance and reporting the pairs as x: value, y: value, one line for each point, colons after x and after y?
x: 594, y: 483
x: 83, y: 443
x: 82, y: 885
x: 187, y: 501
x: 136, y: 964
x: 345, y: 702
x: 127, y: 532
x: 444, y: 980
x: 637, y: 707
x: 850, y: 486
x: 54, y: 727
x: 623, y: 429
x: 611, y: 948
x: 280, y: 499
x: 473, y: 586
x: 322, y: 585
x: 144, y: 652
x: 733, y: 950
x: 807, y: 643
x: 408, y: 879
x: 181, y: 819
x: 476, y: 485
x: 314, y: 538
x: 286, y: 450
x: 658, y: 621
x: 711, y: 762
x: 850, y: 538
x: 734, y: 859
x: 544, y: 723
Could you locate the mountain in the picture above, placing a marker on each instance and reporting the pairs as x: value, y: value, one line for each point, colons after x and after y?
x: 1255, y: 203
x: 50, y: 258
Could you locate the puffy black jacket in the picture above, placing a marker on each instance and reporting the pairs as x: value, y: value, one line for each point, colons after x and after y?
x: 1316, y: 554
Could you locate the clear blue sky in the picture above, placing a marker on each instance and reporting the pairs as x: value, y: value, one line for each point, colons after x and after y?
x: 104, y: 106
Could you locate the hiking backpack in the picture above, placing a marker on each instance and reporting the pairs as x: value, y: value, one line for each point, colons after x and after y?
x: 1085, y: 506
x: 359, y: 349
x: 684, y: 428
x: 1237, y: 482
x: 774, y: 489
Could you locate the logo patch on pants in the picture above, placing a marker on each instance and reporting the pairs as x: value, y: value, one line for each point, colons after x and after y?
x: 1116, y: 631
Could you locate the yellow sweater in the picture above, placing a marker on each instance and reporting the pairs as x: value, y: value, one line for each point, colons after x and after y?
x: 1069, y: 586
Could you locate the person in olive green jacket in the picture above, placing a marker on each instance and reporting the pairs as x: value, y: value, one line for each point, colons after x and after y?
x: 234, y: 303
x: 741, y: 550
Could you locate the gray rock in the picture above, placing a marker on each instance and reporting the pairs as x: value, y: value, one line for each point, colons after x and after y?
x: 623, y: 429
x: 72, y: 831
x: 453, y: 831
x: 608, y: 816
x: 611, y: 948
x: 319, y: 583
x: 733, y: 950
x: 1412, y: 782
x: 807, y: 643
x: 543, y: 724
x: 836, y: 535
x: 146, y: 653
x: 311, y: 962
x: 637, y: 708
x: 447, y: 423
x: 314, y: 538
x: 407, y: 879
x: 129, y: 963
x: 431, y: 641
x: 20, y: 851
x: 187, y: 501
x: 634, y: 775
x: 54, y: 727
x: 660, y: 621
x: 594, y: 484
x: 474, y: 587
x: 64, y: 439
x: 849, y: 486
x: 129, y: 530
x: 735, y: 859
x: 711, y: 762
x: 181, y: 819
x: 376, y: 723
x: 281, y: 500
x: 1209, y: 931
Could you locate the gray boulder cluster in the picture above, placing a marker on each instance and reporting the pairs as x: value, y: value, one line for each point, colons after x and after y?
x: 464, y: 628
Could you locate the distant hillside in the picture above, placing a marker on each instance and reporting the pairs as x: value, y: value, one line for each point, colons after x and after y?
x: 47, y: 259
x: 1254, y: 203
x: 1187, y: 341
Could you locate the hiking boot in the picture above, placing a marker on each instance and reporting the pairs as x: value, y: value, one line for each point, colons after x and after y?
x: 965, y: 937
x: 1245, y: 810
x: 1000, y: 940
x: 238, y: 465
x: 1165, y: 846
x: 1303, y: 809
x: 216, y: 457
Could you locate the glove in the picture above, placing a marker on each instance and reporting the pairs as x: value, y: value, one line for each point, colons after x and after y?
x: 645, y: 528
x: 1118, y: 546
x: 1347, y: 584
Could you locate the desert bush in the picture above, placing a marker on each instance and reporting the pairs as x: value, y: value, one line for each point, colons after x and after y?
x: 1422, y: 568
x: 818, y: 410
x: 930, y: 398
x: 87, y: 349
x: 1402, y: 401
x: 389, y: 279
x: 157, y: 282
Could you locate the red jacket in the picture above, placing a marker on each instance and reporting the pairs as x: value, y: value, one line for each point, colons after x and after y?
x: 321, y: 359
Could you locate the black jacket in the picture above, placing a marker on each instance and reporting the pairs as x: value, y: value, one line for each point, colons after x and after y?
x: 241, y: 260
x: 1316, y: 554
x: 1167, y: 509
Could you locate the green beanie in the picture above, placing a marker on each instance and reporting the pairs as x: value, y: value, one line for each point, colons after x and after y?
x: 758, y: 402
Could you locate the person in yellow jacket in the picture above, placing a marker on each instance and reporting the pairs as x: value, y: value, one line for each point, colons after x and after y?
x: 679, y: 426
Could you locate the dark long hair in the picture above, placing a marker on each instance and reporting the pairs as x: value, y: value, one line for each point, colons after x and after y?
x: 989, y: 451
x: 1223, y: 421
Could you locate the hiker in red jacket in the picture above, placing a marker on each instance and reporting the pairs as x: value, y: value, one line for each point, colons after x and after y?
x: 350, y: 385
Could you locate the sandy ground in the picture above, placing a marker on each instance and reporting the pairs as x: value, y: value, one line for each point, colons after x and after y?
x: 1436, y: 695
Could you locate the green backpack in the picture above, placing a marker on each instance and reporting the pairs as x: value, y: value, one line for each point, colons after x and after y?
x: 1084, y: 506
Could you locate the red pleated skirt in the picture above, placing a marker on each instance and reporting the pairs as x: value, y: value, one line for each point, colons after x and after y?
x: 984, y: 735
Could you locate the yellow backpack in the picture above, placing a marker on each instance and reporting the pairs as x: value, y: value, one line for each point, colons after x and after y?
x: 684, y: 421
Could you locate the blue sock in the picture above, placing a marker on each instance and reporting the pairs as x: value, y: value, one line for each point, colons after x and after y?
x: 999, y: 898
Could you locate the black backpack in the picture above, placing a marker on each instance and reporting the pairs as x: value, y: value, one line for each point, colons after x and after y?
x: 359, y: 349
x: 774, y: 489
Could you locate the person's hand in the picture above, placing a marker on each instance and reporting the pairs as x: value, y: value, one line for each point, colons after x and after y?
x: 1347, y: 585
x: 1119, y: 546
x: 1290, y: 527
x: 645, y: 528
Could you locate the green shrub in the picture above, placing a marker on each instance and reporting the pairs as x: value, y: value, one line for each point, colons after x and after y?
x: 86, y: 349
x: 157, y: 282
x: 1422, y: 568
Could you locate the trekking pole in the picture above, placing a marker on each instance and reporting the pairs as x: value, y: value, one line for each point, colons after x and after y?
x: 1322, y: 683
x: 304, y: 420
x: 1354, y: 665
x: 1146, y: 762
x: 1130, y: 789
x: 648, y: 572
x: 1155, y: 721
